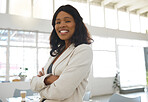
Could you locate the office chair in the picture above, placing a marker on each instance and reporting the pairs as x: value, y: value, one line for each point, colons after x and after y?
x: 120, y: 98
x: 16, y: 93
x: 86, y: 96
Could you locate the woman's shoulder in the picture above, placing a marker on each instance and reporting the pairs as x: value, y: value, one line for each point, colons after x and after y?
x: 84, y: 46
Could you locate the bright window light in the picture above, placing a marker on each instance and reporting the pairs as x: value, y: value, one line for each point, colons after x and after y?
x: 43, y: 40
x: 43, y: 55
x: 101, y: 43
x: 111, y: 18
x: 23, y: 50
x: 123, y: 21
x: 97, y: 15
x: 104, y: 64
x: 21, y: 38
x: 135, y: 23
x: 132, y: 66
x: 2, y: 6
x: 144, y: 24
x: 20, y: 7
x: 25, y: 58
x: 104, y: 59
x: 3, y: 37
x: 2, y: 62
x: 43, y: 9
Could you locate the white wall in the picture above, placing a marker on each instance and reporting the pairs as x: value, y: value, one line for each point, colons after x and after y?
x: 97, y: 86
x: 24, y: 23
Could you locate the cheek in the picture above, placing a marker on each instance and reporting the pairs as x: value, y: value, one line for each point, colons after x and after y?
x: 73, y: 28
x: 56, y: 29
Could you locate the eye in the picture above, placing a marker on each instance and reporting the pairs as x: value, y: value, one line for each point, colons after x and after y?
x: 67, y: 21
x: 57, y: 23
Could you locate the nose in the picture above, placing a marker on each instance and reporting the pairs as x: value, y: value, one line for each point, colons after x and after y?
x: 62, y: 24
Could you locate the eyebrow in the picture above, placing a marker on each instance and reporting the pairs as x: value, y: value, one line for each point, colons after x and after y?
x: 64, y: 18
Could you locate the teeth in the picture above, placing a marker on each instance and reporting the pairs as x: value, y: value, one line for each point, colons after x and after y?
x: 63, y: 31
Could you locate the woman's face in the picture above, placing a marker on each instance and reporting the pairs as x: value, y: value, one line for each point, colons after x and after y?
x: 64, y: 26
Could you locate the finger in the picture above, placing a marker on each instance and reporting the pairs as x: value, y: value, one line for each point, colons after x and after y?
x: 40, y: 73
x: 43, y: 71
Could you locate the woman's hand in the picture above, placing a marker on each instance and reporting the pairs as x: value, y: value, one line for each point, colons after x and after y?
x: 49, y: 80
x: 41, y: 73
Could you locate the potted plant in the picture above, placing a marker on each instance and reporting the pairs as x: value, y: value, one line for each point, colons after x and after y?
x: 23, y: 74
x: 116, y: 82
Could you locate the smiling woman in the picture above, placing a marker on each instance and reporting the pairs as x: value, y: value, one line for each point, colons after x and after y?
x: 64, y: 77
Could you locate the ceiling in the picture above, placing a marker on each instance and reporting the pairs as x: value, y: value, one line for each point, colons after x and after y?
x: 134, y: 6
x: 137, y: 6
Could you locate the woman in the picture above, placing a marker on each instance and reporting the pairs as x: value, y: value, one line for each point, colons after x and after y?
x: 64, y: 77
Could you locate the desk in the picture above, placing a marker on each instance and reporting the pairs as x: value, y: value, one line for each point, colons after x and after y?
x: 28, y: 99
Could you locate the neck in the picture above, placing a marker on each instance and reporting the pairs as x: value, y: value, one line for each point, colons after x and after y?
x: 67, y: 44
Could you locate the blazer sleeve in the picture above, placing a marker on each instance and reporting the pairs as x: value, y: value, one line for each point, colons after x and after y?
x: 75, y: 72
x: 37, y: 83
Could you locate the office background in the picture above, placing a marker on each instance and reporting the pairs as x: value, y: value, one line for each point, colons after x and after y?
x: 119, y: 29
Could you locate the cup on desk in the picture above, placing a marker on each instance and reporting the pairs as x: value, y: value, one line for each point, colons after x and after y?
x: 23, y: 95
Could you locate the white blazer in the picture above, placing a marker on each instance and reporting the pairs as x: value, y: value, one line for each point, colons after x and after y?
x: 73, y: 68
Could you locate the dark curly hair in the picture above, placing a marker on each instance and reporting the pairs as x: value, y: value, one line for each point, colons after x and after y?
x: 80, y: 36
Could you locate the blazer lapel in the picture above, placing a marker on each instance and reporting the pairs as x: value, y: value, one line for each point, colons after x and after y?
x: 63, y: 56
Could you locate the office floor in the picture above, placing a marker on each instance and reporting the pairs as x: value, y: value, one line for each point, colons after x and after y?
x: 105, y: 98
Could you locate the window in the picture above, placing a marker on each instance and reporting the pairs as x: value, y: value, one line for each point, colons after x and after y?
x: 3, y: 37
x: 3, y: 53
x: 2, y: 6
x: 123, y: 21
x: 97, y: 15
x: 2, y: 63
x: 22, y: 38
x: 20, y: 7
x: 111, y: 18
x: 43, y: 51
x: 23, y: 58
x: 131, y: 63
x: 43, y: 40
x: 43, y: 55
x: 104, y: 64
x: 101, y: 43
x: 135, y: 23
x: 144, y: 24
x: 43, y: 9
x: 20, y: 50
x: 104, y: 58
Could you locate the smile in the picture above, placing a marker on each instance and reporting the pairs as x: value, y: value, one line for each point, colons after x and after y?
x: 64, y: 31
